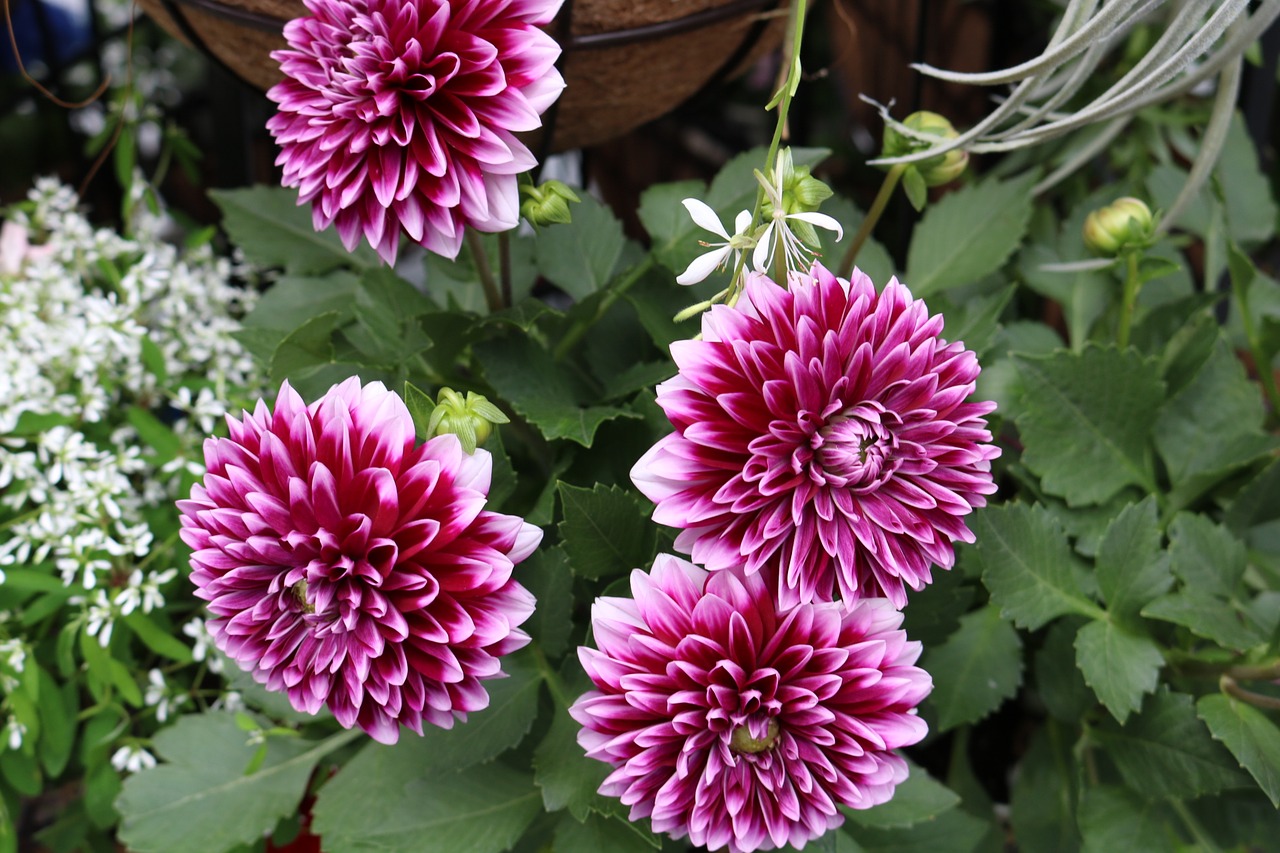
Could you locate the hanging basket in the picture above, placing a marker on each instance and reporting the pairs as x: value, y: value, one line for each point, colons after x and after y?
x: 625, y: 62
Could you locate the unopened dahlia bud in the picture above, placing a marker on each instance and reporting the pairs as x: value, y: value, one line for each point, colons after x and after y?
x: 1126, y: 223
x: 547, y: 203
x: 799, y: 192
x: 471, y: 418
x: 936, y: 171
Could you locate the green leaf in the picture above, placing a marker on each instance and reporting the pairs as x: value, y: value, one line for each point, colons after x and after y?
x: 200, y: 800
x: 293, y: 300
x: 918, y: 799
x: 1119, y: 665
x: 975, y: 670
x: 539, y: 389
x: 1043, y: 798
x: 274, y: 231
x: 1083, y: 295
x: 1257, y: 503
x: 1246, y: 189
x: 1166, y: 752
x: 600, y: 834
x: 672, y: 233
x: 935, y: 611
x: 1026, y: 563
x: 1206, y: 616
x: 382, y: 802
x: 566, y: 777
x: 580, y: 257
x: 953, y: 831
x: 1087, y: 421
x: 1113, y: 818
x: 976, y: 320
x: 914, y: 187
x: 420, y: 406
x: 486, y: 734
x: 1212, y: 427
x: 306, y: 347
x: 968, y: 234
x: 157, y: 639
x: 1131, y: 568
x: 605, y: 531
x: 1250, y: 736
x: 545, y: 573
x: 58, y: 708
x: 873, y: 258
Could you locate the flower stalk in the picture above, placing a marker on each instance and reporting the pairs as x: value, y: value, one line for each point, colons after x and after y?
x: 492, y: 297
x: 887, y: 186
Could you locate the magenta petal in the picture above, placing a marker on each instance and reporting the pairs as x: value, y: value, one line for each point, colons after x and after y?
x: 323, y: 538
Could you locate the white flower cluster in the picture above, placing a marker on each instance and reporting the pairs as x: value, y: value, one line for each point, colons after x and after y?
x: 98, y: 325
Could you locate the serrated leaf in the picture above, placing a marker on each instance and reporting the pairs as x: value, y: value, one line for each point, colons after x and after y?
x: 1087, y: 421
x: 540, y: 390
x: 1131, y: 568
x: 1119, y: 665
x: 1083, y: 295
x: 386, y: 804
x: 292, y: 300
x: 1246, y: 189
x: 1113, y: 818
x: 976, y: 669
x: 1212, y: 427
x: 605, y: 530
x: 486, y: 734
x: 975, y: 321
x: 580, y: 257
x: 274, y: 231
x: 968, y: 234
x: 918, y: 799
x: 673, y: 235
x: 1027, y: 564
x: 566, y: 777
x: 1209, y: 617
x: 199, y: 800
x: 545, y: 573
x: 1250, y: 736
x: 1166, y: 751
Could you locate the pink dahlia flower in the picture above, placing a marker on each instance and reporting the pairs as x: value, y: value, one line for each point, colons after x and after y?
x: 740, y: 724
x: 349, y: 568
x: 822, y: 434
x: 399, y: 115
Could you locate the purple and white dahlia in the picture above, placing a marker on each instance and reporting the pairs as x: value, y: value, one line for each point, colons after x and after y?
x: 741, y: 724
x: 823, y: 435
x: 350, y: 568
x: 400, y: 115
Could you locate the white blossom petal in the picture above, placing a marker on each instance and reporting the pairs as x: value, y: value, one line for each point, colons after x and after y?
x: 704, y: 216
x: 702, y: 266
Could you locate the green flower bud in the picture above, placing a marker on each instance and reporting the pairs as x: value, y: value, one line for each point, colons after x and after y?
x: 471, y: 418
x: 547, y: 203
x: 1126, y: 223
x: 936, y: 171
x: 799, y: 190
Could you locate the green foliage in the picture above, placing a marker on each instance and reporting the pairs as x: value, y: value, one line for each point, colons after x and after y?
x: 1251, y: 737
x: 605, y: 531
x: 969, y: 234
x: 976, y: 669
x: 1087, y: 420
x: 202, y: 799
x: 273, y: 231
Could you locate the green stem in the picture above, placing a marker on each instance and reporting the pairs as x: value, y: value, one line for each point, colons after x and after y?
x: 1228, y: 686
x: 550, y: 676
x: 1266, y: 672
x: 1205, y: 843
x: 575, y: 333
x: 504, y: 266
x: 1132, y: 284
x: 887, y: 186
x: 492, y: 297
x: 1261, y: 364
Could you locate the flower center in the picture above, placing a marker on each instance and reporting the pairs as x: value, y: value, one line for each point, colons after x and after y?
x: 743, y: 741
x: 299, y: 591
x: 857, y: 448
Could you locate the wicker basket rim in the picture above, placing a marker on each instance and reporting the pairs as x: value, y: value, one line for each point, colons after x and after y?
x: 585, y: 41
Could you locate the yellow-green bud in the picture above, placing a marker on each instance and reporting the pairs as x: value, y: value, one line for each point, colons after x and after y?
x: 1126, y: 223
x: 546, y: 203
x: 471, y: 418
x: 800, y: 191
x: 936, y: 171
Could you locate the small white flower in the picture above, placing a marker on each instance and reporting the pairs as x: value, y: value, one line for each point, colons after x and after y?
x: 132, y: 758
x: 14, y: 732
x: 740, y: 241
x: 798, y: 255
